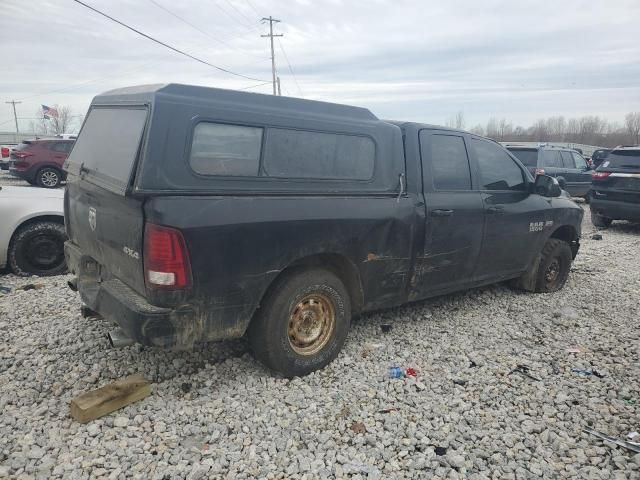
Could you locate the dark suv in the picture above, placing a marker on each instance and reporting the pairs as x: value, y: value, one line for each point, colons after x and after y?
x: 565, y: 164
x: 197, y: 214
x: 39, y: 162
x: 615, y: 193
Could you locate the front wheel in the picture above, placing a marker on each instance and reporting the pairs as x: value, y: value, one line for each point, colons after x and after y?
x: 600, y: 221
x: 551, y: 269
x: 38, y: 249
x: 48, y: 177
x: 302, y: 323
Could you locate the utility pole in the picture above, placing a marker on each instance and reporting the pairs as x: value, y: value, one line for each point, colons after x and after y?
x: 279, y: 91
x: 15, y: 116
x: 271, y: 21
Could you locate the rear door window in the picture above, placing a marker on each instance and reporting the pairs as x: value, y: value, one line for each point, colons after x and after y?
x: 449, y: 161
x: 108, y: 145
x: 528, y: 157
x: 227, y: 150
x: 551, y: 158
x: 498, y: 171
x: 567, y: 160
x: 306, y: 154
x: 581, y: 163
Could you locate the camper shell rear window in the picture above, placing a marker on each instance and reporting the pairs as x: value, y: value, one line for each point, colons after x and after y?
x: 108, y: 145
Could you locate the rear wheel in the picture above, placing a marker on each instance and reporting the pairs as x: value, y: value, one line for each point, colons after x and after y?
x: 302, y: 323
x: 48, y: 177
x: 600, y: 221
x: 38, y: 249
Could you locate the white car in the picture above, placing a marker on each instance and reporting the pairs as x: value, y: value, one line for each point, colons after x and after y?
x: 32, y: 231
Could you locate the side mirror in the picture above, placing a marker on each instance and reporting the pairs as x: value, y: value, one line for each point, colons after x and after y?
x: 547, y: 186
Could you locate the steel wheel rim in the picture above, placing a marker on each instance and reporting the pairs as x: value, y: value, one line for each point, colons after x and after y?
x: 553, y: 271
x: 44, y: 252
x: 311, y: 324
x: 49, y: 178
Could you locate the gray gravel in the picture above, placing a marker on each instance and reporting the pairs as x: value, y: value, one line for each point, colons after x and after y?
x: 215, y: 413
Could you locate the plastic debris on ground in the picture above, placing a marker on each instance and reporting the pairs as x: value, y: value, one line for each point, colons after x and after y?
x: 585, y: 372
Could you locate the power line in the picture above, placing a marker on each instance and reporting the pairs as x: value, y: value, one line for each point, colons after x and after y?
x: 254, y: 86
x: 166, y: 45
x: 253, y: 7
x: 237, y: 10
x: 295, y: 79
x: 234, y: 18
x: 195, y: 27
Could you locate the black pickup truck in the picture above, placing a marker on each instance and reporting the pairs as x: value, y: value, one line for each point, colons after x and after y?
x: 198, y: 214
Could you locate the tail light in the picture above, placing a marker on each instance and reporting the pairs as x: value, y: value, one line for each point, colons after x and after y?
x: 4, y: 151
x: 166, y: 258
x: 599, y: 175
x: 539, y: 171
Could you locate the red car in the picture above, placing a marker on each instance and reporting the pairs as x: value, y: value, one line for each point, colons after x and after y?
x: 39, y: 162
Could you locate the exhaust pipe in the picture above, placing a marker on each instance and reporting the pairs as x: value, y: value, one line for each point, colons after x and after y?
x: 118, y: 339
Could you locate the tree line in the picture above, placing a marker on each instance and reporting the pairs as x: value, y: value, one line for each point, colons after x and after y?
x: 589, y: 130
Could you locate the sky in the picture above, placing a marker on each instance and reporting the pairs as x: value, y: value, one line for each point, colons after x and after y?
x: 403, y: 59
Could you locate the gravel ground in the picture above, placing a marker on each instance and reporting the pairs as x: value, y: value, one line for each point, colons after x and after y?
x: 215, y: 413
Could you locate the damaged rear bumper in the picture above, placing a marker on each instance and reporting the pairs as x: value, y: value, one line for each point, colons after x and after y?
x: 145, y: 323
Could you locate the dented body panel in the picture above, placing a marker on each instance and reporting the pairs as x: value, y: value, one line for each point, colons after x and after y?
x: 386, y: 237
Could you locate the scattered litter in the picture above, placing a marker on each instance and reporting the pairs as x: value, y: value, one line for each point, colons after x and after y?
x: 386, y: 327
x: 440, y: 451
x: 633, y: 435
x: 369, y: 348
x: 186, y: 387
x: 472, y: 364
x: 111, y: 397
x: 634, y: 447
x: 389, y: 410
x: 585, y: 372
x: 523, y: 370
x: 596, y: 236
x: 4, y: 289
x: 358, y: 427
x: 397, y: 372
x: 574, y: 350
x: 31, y: 286
x: 462, y: 383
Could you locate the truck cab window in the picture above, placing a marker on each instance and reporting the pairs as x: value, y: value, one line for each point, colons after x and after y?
x: 498, y: 171
x: 449, y: 161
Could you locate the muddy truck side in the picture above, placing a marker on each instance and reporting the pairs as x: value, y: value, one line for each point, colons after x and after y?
x: 198, y: 214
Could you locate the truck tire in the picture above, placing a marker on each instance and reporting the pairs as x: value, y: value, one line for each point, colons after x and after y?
x: 550, y: 270
x: 600, y: 221
x: 49, y: 177
x: 302, y: 323
x: 38, y: 249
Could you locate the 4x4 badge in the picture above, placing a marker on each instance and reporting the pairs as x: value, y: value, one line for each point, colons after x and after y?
x: 92, y: 218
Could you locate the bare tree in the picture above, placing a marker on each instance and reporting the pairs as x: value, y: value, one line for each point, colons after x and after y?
x: 492, y: 128
x: 55, y: 124
x: 478, y: 130
x: 505, y: 129
x: 632, y: 124
x: 456, y: 121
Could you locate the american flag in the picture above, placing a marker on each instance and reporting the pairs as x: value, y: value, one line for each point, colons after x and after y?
x: 48, y: 112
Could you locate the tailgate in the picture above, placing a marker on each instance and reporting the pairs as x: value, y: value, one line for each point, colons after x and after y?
x: 108, y: 228
x: 103, y: 220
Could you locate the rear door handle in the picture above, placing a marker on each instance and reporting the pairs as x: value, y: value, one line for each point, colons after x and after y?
x: 496, y: 209
x: 442, y: 213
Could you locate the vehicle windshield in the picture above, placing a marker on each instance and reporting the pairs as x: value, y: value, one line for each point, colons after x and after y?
x: 623, y: 159
x: 528, y: 156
